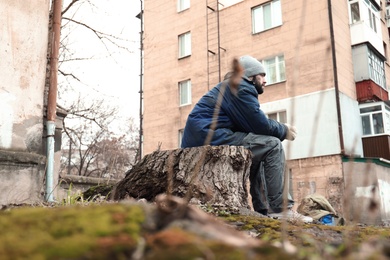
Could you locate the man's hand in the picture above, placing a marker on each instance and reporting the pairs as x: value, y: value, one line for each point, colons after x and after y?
x: 291, y: 132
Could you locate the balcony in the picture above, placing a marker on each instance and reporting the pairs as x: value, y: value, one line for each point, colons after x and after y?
x: 377, y: 146
x: 367, y: 90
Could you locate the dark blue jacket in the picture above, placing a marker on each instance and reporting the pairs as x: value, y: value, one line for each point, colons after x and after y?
x: 239, y: 115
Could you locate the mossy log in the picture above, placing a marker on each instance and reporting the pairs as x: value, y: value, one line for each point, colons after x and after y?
x: 215, y: 175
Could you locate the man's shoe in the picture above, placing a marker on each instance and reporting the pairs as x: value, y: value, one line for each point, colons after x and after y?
x: 291, y: 215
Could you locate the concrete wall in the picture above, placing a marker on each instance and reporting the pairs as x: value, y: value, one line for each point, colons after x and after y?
x: 23, y: 56
x: 368, y: 183
x: 23, y: 50
x: 352, y: 130
x: 21, y: 177
x: 320, y: 175
x: 358, y: 189
x: 318, y: 127
x: 71, y: 186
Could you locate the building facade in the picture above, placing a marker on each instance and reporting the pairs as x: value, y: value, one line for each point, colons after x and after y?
x: 327, y: 74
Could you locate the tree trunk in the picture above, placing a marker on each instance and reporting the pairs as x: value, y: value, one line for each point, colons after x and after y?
x: 215, y: 175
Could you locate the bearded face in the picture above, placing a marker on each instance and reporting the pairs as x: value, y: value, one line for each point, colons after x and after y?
x: 259, y: 83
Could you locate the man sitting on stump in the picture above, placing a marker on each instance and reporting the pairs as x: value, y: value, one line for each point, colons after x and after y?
x: 240, y: 121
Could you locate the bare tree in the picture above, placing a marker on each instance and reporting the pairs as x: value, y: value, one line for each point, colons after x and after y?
x: 93, y: 149
x: 94, y: 144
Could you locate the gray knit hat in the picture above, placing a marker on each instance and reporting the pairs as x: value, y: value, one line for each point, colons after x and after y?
x: 251, y: 66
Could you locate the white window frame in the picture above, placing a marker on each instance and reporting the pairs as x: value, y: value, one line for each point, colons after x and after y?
x: 376, y: 68
x: 369, y: 111
x: 277, y: 72
x: 373, y: 15
x: 183, y: 5
x: 280, y: 116
x: 351, y: 13
x: 185, y: 93
x: 259, y: 16
x: 180, y: 137
x: 184, y: 45
x: 372, y: 19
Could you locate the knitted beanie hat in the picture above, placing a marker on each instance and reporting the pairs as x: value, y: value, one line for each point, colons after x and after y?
x: 251, y: 66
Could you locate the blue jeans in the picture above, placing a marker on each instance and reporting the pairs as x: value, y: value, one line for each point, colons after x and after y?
x: 266, y: 173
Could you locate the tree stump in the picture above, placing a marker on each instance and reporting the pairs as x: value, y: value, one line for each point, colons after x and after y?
x: 215, y: 175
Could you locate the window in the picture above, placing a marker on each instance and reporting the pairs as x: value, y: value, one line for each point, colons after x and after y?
x: 376, y: 69
x: 278, y: 116
x: 185, y: 92
x: 372, y: 20
x: 183, y: 5
x: 372, y: 13
x: 275, y: 69
x: 266, y: 16
x: 181, y: 132
x: 355, y: 12
x: 373, y: 124
x: 375, y: 118
x: 184, y: 45
x: 366, y: 125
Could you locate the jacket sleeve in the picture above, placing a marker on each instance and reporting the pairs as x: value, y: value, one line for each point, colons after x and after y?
x: 244, y: 110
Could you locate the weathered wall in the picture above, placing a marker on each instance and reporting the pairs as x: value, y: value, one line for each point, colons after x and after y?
x: 322, y: 175
x: 368, y: 190
x: 358, y: 189
x: 23, y: 51
x: 23, y: 45
x: 70, y: 186
x: 21, y: 177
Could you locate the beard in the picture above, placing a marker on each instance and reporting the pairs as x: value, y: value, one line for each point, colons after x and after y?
x: 259, y: 87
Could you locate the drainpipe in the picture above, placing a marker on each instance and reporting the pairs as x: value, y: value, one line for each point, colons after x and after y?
x: 141, y: 17
x: 336, y: 82
x: 52, y: 98
x: 219, y: 45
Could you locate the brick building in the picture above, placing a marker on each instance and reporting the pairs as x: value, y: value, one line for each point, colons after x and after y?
x: 327, y: 74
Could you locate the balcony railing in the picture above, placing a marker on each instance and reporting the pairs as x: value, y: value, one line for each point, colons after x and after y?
x: 377, y: 146
x: 367, y: 90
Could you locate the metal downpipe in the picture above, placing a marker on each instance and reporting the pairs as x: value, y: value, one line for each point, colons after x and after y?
x: 336, y: 81
x: 52, y: 98
x: 50, y: 128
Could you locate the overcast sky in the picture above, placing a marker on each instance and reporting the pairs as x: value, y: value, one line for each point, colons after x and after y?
x: 113, y: 73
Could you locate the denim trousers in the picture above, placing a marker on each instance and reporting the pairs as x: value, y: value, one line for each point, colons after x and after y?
x: 266, y: 173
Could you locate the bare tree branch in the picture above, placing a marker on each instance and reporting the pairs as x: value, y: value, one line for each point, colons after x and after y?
x: 68, y: 74
x: 69, y: 6
x: 100, y: 35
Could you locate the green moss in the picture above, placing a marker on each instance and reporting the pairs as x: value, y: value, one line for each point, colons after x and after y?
x: 268, y: 229
x: 99, y: 190
x: 114, y: 231
x: 308, y: 243
x: 67, y: 232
